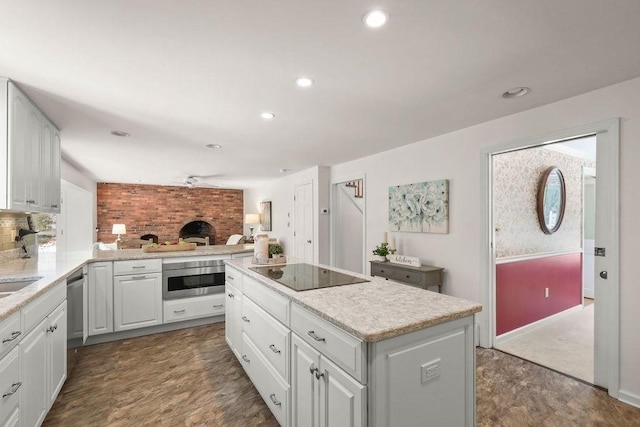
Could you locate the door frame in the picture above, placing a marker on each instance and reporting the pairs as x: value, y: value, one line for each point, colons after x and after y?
x: 608, y: 163
x: 313, y: 219
x: 334, y: 191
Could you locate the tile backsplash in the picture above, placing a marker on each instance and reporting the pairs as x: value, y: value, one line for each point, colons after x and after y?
x: 10, y: 222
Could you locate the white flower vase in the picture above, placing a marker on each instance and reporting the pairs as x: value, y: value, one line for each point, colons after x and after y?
x: 380, y: 257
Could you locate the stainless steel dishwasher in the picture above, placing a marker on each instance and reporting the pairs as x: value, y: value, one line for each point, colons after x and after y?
x: 76, y: 297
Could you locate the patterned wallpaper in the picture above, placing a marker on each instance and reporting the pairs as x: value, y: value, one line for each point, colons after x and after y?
x: 516, y: 177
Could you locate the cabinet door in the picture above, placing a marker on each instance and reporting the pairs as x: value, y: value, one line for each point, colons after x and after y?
x: 34, y: 400
x: 10, y: 385
x: 57, y: 350
x: 304, y: 391
x: 137, y: 301
x: 50, y: 168
x: 233, y: 311
x: 343, y: 398
x: 18, y: 148
x: 100, y: 292
x: 33, y: 159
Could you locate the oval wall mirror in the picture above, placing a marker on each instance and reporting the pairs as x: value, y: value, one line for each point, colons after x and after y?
x: 551, y: 200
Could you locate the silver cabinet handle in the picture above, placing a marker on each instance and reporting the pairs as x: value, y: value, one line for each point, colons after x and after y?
x: 230, y: 295
x: 14, y: 335
x: 52, y: 328
x: 312, y: 369
x: 14, y: 389
x: 138, y: 266
x: 54, y: 206
x: 245, y: 319
x: 179, y: 311
x: 218, y: 305
x: 315, y: 336
x: 230, y: 278
x: 245, y: 358
x: 308, y: 241
x: 274, y: 349
x: 274, y: 400
x: 138, y: 277
x: 319, y: 375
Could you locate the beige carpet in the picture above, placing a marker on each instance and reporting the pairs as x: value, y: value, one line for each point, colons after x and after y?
x: 565, y: 345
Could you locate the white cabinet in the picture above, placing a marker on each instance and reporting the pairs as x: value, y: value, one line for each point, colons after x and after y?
x: 43, y: 354
x: 32, y: 146
x: 322, y: 393
x: 180, y: 309
x: 233, y: 314
x: 100, y: 297
x: 10, y: 387
x: 137, y: 298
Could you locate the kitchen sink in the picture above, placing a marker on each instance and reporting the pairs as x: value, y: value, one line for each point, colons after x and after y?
x: 7, y: 288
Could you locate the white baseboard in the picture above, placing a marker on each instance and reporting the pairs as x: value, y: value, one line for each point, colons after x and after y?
x: 630, y: 398
x: 535, y: 325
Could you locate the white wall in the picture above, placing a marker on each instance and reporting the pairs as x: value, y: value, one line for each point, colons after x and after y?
x: 348, y: 230
x: 456, y: 156
x: 74, y: 176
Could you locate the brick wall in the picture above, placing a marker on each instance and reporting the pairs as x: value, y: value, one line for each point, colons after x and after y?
x: 164, y: 210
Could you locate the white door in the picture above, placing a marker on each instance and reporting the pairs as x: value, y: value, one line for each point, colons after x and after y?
x: 75, y: 221
x: 303, y: 222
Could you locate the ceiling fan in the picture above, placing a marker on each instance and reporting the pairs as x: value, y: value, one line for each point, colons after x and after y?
x: 193, y: 181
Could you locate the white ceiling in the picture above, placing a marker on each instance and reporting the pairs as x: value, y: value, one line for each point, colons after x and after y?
x: 178, y: 75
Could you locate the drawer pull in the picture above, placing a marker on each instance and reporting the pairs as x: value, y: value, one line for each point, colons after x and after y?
x: 272, y: 396
x: 52, y: 328
x: 274, y: 349
x: 230, y: 295
x: 14, y: 335
x: 138, y: 266
x: 245, y: 319
x: 315, y: 336
x: 245, y: 358
x: 14, y: 389
x: 381, y: 271
x: 218, y: 305
x: 230, y: 278
x: 138, y: 277
x: 179, y: 311
x: 408, y: 276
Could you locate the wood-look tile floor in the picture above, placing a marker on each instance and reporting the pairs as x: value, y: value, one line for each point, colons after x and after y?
x: 191, y: 378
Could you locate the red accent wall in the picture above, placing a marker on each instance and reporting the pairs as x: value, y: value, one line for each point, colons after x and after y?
x: 520, y: 289
x: 164, y: 210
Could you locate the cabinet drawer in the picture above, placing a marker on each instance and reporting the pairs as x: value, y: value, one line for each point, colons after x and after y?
x: 10, y: 385
x: 343, y: 349
x: 37, y: 310
x: 137, y: 266
x: 233, y: 277
x: 378, y: 270
x: 272, y: 302
x: 271, y: 387
x: 10, y: 333
x: 269, y: 336
x: 192, y: 308
x: 409, y: 277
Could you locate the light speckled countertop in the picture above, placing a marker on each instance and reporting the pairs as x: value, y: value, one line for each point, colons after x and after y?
x: 375, y: 310
x: 49, y: 269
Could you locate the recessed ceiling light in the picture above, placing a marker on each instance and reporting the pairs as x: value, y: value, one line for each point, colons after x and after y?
x: 376, y: 18
x: 267, y: 116
x: 516, y: 92
x: 214, y: 146
x: 120, y: 133
x: 304, y: 81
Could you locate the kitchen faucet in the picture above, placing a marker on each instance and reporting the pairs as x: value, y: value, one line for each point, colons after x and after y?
x: 22, y: 233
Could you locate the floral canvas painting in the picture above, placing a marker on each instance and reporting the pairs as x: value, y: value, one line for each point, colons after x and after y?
x: 420, y: 208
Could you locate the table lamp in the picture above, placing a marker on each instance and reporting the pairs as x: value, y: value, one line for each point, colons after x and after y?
x: 119, y: 229
x: 251, y: 220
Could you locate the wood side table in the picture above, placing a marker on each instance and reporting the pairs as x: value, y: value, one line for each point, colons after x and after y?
x: 421, y: 277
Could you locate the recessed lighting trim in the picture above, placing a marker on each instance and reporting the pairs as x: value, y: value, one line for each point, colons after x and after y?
x: 214, y: 146
x: 516, y: 92
x: 120, y: 133
x: 304, y: 81
x: 267, y: 115
x: 375, y: 18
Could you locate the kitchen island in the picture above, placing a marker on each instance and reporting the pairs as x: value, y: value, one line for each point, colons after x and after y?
x: 374, y: 353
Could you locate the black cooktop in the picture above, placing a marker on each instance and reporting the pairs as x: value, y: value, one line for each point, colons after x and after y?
x: 303, y: 277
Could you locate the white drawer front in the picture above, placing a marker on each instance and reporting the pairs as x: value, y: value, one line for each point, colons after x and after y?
x: 10, y: 385
x: 10, y: 333
x: 137, y: 266
x: 275, y: 304
x: 343, y: 349
x: 37, y: 310
x: 233, y: 277
x: 273, y: 390
x: 193, y: 308
x: 269, y: 336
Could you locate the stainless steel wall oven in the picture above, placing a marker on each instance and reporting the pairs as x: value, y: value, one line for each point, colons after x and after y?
x: 182, y: 279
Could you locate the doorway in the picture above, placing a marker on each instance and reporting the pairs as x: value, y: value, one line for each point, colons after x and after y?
x: 348, y: 223
x: 303, y: 222
x: 606, y: 279
x: 541, y: 315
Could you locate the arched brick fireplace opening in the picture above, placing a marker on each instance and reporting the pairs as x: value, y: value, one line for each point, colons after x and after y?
x: 198, y: 228
x: 150, y: 236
